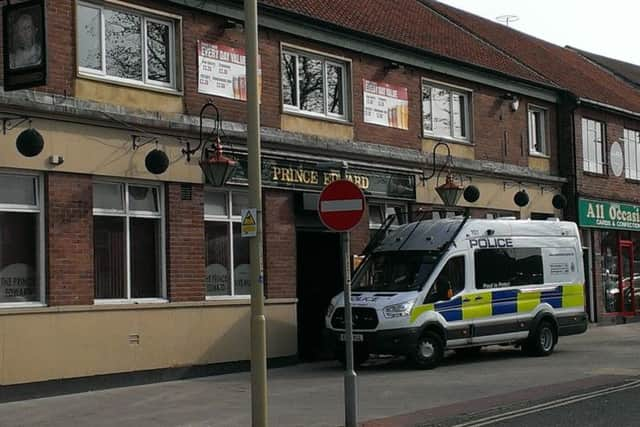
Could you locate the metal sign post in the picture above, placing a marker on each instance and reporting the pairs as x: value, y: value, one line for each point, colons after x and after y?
x: 340, y: 206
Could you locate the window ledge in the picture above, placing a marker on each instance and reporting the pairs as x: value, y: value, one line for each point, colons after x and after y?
x: 595, y: 174
x: 539, y: 155
x: 131, y: 84
x: 344, y: 122
x: 449, y: 140
x: 132, y: 301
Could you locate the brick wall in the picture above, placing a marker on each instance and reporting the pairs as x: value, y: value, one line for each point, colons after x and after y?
x: 279, y: 244
x: 69, y: 219
x: 606, y: 186
x: 185, y: 243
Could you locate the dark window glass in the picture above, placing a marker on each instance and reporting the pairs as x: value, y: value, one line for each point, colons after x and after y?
x: 450, y: 281
x: 217, y: 258
x: 334, y: 87
x: 241, y: 281
x: 311, y: 84
x: 501, y: 268
x: 109, y: 257
x: 144, y: 257
x: 123, y: 39
x: 289, y: 75
x: 18, y: 260
x: 394, y: 272
x: 158, y: 51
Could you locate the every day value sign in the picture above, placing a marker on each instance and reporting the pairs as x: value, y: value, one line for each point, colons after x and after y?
x: 222, y: 71
x: 385, y: 104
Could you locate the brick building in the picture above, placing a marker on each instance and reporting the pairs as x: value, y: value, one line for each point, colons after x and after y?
x: 107, y: 268
x: 599, y: 125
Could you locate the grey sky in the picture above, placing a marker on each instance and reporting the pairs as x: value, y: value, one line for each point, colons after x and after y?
x: 608, y: 28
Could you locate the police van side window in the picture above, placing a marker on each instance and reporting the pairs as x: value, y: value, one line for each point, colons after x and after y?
x: 505, y: 267
x: 450, y: 281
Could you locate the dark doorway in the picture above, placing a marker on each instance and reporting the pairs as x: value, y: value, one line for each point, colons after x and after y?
x: 319, y: 280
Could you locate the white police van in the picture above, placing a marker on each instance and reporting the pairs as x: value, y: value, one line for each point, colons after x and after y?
x: 462, y: 284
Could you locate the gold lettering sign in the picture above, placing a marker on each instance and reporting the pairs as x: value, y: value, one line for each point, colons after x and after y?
x: 312, y: 177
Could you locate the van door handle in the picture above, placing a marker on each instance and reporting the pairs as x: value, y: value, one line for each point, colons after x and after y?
x: 466, y: 300
x: 478, y: 297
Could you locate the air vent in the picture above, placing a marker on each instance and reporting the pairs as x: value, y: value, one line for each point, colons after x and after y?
x: 186, y: 191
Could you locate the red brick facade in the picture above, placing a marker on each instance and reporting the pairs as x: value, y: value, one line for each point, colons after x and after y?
x: 69, y: 231
x: 185, y: 242
x: 279, y: 239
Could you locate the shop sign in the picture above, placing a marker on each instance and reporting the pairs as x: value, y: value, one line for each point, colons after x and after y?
x: 222, y: 71
x: 385, y: 105
x: 306, y: 176
x: 601, y: 214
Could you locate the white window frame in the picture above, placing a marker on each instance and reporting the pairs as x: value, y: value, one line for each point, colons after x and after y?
x: 467, y: 95
x: 228, y: 220
x: 126, y: 213
x: 146, y: 15
x: 38, y: 208
x: 386, y: 205
x: 631, y: 154
x: 542, y: 114
x: 326, y: 59
x: 593, y: 158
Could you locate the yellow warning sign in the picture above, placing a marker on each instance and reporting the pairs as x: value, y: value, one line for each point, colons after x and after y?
x: 249, y: 227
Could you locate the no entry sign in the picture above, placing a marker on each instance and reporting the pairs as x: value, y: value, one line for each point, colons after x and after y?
x: 341, y: 205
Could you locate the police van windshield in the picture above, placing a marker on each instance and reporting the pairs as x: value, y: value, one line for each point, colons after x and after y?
x: 395, y: 271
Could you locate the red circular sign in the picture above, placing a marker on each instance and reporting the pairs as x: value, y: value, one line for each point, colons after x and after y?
x: 341, y: 205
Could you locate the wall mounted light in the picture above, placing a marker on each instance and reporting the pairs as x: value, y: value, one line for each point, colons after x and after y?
x: 216, y: 167
x: 514, y: 101
x: 450, y: 191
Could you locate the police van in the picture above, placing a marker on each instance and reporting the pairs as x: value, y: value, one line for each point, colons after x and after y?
x: 463, y: 283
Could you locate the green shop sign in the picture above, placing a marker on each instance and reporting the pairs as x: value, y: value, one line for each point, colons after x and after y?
x: 300, y: 175
x: 601, y: 214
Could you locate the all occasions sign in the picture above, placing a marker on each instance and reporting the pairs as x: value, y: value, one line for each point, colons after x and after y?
x: 601, y: 214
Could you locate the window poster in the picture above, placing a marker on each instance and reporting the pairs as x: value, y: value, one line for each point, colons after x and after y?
x: 385, y: 104
x: 222, y: 71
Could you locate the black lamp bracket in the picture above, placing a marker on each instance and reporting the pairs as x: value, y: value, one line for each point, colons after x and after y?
x: 447, y: 164
x: 138, y: 141
x: 215, y: 132
x: 11, y: 121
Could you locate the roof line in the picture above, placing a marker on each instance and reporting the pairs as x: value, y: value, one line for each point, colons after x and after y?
x: 604, y: 67
x: 610, y: 107
x: 488, y: 43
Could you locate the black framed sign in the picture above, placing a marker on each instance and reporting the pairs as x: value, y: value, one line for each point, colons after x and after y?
x: 24, y: 45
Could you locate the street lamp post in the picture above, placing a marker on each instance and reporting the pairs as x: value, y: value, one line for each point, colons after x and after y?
x: 258, y: 321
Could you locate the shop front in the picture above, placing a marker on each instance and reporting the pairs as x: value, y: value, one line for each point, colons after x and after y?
x: 611, y: 233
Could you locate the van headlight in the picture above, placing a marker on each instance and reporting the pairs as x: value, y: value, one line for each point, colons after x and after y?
x: 398, y: 310
x: 330, y: 310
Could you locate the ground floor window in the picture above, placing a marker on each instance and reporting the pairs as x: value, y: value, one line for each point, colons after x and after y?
x: 128, y: 241
x: 226, y: 252
x: 620, y: 271
x: 380, y: 211
x: 21, y: 248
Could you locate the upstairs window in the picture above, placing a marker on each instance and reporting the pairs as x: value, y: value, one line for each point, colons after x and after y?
x: 592, y: 146
x: 445, y: 111
x: 126, y: 46
x: 632, y: 154
x: 314, y: 84
x: 538, y: 131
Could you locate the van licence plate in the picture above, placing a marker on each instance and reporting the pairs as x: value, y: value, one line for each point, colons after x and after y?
x: 356, y: 337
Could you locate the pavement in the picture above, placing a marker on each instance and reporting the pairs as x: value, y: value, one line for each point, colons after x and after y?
x: 390, y: 392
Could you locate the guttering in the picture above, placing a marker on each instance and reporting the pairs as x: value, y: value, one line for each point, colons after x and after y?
x: 608, y: 107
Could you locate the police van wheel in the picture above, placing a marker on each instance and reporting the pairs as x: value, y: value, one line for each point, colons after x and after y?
x: 542, y: 341
x: 428, y: 352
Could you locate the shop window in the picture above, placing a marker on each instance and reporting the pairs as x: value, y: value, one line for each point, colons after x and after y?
x: 445, y: 111
x: 21, y: 248
x: 632, y: 154
x: 537, y: 131
x: 450, y: 281
x: 502, y: 268
x: 609, y: 271
x: 592, y: 146
x: 128, y: 241
x: 315, y: 84
x: 126, y: 45
x: 226, y: 252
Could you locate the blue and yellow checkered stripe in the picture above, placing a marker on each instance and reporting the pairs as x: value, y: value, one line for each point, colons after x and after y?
x: 510, y: 301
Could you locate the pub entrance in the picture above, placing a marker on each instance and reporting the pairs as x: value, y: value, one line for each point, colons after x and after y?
x: 319, y: 280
